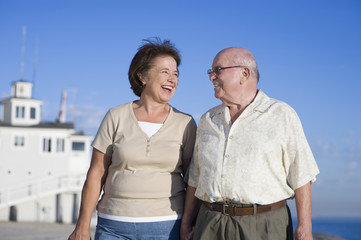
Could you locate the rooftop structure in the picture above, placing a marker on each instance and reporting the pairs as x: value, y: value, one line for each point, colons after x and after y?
x: 42, y: 164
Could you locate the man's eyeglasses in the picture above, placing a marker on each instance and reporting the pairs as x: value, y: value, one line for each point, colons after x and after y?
x: 217, y: 70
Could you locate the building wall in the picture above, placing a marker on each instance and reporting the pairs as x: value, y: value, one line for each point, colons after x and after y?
x: 6, y: 111
x: 10, y: 114
x: 28, y: 162
x: 77, y: 157
x: 62, y: 208
x: 39, y: 175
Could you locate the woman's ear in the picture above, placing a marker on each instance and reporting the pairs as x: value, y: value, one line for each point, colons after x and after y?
x: 141, y: 78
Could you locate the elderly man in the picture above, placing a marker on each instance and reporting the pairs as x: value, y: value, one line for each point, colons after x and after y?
x: 251, y: 155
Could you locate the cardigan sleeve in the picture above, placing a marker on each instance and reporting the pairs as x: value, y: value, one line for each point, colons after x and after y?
x: 189, y: 138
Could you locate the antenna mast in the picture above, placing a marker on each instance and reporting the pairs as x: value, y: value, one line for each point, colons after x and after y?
x: 22, y: 55
x: 36, y: 59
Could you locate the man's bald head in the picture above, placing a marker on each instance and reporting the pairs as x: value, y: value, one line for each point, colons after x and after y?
x: 241, y: 56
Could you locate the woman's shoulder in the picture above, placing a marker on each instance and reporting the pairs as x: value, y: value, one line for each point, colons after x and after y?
x: 181, y: 115
x: 120, y: 108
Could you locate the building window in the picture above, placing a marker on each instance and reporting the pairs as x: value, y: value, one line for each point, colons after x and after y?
x: 19, y: 141
x: 20, y: 112
x: 46, y: 144
x: 32, y: 113
x: 78, y: 146
x: 60, y: 144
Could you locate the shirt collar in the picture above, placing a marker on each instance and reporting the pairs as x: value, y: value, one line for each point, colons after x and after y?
x: 261, y: 103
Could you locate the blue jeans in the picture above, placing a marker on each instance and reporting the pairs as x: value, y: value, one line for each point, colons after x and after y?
x: 110, y: 230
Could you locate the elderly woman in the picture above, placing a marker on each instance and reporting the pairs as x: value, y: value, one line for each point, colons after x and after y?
x: 140, y: 154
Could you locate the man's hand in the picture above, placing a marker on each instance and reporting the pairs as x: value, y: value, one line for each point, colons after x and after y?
x: 303, y: 232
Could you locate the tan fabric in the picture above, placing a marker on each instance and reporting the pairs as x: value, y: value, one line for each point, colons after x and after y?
x: 276, y: 224
x: 144, y: 178
x: 261, y: 158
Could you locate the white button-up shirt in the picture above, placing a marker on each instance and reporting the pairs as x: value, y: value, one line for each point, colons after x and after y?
x: 261, y: 158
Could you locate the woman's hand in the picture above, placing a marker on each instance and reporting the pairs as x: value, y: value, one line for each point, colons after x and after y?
x: 80, y: 235
x: 186, y: 232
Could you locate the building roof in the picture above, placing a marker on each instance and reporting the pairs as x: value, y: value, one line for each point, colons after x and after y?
x: 56, y: 125
x: 10, y: 98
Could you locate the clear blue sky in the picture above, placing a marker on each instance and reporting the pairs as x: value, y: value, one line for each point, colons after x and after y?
x: 309, y: 55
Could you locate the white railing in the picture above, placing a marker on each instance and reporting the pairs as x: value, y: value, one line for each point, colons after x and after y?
x: 41, y: 188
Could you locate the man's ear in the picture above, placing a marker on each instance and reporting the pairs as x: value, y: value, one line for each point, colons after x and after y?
x: 245, y: 74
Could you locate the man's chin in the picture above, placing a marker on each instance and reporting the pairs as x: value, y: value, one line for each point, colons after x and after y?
x: 218, y: 96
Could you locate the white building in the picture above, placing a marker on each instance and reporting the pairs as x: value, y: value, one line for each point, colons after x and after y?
x: 42, y: 164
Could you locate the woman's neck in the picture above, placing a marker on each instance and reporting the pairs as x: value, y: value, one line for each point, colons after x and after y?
x: 149, y: 111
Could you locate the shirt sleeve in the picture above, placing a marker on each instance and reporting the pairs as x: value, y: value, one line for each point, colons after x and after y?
x: 189, y: 138
x: 103, y: 140
x: 300, y: 164
x: 194, y: 171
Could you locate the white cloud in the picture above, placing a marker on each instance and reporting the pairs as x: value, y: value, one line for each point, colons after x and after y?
x: 352, y: 165
x: 4, y: 95
x: 326, y: 149
x: 352, y: 168
x: 347, y: 148
x: 342, y: 182
x: 87, y: 117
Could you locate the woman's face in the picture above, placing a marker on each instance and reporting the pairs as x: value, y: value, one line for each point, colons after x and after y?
x: 161, y: 80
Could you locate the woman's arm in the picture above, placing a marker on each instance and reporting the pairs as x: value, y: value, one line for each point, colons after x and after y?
x: 191, y: 208
x: 92, y: 188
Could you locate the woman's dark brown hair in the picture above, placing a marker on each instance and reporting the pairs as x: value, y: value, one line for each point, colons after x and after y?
x: 143, y: 59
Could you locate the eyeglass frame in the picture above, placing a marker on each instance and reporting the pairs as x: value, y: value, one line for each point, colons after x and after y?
x: 218, y: 69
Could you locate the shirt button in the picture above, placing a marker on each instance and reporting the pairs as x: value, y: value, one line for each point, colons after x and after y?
x: 227, y: 155
x: 230, y: 137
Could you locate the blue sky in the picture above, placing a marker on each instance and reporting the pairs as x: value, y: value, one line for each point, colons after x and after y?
x: 308, y: 52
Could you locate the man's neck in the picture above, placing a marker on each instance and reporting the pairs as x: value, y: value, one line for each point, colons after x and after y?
x: 237, y: 108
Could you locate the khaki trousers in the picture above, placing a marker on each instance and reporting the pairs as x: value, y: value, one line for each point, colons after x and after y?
x: 272, y: 225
